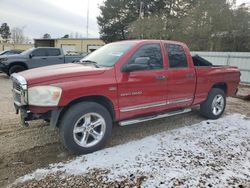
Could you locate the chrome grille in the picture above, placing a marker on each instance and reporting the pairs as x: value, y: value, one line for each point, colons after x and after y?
x: 17, y: 92
x: 19, y: 89
x: 17, y: 86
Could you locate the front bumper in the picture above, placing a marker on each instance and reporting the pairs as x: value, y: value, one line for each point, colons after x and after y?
x: 26, y: 115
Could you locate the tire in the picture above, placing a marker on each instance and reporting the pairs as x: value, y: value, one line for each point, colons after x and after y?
x: 212, y: 109
x: 15, y: 69
x: 76, y: 125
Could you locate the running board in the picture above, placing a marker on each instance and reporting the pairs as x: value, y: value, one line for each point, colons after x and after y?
x: 148, y: 118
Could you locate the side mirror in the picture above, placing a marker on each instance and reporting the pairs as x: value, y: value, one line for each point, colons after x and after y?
x: 140, y: 63
x: 30, y: 56
x: 134, y: 67
x: 142, y: 60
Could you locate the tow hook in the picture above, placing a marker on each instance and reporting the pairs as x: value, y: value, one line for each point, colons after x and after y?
x: 24, y: 115
x: 24, y: 123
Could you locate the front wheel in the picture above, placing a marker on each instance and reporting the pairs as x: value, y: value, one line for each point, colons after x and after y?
x: 85, y: 127
x: 215, y: 104
x: 16, y: 69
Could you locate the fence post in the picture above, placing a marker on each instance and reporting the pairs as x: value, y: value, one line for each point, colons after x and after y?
x: 228, y: 58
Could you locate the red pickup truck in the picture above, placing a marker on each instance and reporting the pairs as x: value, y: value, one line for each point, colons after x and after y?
x: 125, y: 82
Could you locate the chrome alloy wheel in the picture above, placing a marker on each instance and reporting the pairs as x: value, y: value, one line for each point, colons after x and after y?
x: 218, y: 104
x: 89, y: 130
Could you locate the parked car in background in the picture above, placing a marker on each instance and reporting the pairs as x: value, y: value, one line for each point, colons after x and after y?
x: 35, y: 57
x: 76, y: 53
x: 125, y: 82
x: 10, y: 52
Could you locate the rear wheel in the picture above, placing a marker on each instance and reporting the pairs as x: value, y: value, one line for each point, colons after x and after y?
x: 85, y: 127
x: 215, y: 104
x: 16, y: 68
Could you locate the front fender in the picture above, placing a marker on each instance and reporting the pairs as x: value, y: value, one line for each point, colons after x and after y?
x: 54, y: 117
x: 22, y: 63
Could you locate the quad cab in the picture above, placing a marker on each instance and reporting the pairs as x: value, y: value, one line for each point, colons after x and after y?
x: 125, y: 82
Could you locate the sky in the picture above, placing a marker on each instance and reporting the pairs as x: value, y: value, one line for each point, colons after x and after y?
x: 56, y: 17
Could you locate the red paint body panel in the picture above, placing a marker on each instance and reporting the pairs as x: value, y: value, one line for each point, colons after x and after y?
x: 209, y: 76
x: 138, y: 90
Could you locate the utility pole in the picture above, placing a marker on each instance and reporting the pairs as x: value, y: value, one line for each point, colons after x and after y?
x: 140, y: 13
x: 141, y: 17
x: 87, y: 33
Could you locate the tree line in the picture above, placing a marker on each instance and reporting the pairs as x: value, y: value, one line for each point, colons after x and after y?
x: 206, y: 25
x: 15, y: 35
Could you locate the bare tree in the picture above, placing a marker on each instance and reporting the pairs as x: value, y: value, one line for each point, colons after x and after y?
x: 17, y: 35
x: 76, y: 35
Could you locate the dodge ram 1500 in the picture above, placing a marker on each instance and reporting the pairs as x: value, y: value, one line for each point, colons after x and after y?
x: 124, y: 82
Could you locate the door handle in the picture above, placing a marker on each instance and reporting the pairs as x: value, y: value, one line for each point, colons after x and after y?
x: 60, y: 58
x: 160, y: 77
x: 189, y: 75
x: 44, y: 58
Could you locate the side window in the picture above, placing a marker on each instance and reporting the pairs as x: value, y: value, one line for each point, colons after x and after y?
x: 39, y: 52
x: 9, y: 53
x: 53, y: 52
x: 176, y: 56
x: 150, y: 51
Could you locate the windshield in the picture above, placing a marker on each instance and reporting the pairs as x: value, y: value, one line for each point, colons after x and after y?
x: 3, y: 52
x: 27, y: 52
x: 109, y: 54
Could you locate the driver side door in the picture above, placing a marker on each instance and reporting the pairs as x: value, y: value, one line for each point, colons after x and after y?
x: 143, y: 91
x: 39, y: 58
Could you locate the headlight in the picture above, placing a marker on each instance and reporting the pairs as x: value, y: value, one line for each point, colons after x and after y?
x: 44, y: 95
x: 3, y: 59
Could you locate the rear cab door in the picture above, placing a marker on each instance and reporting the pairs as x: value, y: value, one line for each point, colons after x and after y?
x: 144, y: 91
x: 181, y: 76
x: 55, y: 56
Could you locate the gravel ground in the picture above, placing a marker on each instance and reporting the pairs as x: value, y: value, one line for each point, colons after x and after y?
x: 26, y: 149
x: 208, y: 154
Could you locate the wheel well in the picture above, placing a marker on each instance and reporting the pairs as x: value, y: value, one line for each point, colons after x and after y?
x: 222, y: 86
x: 17, y: 63
x: 104, y: 101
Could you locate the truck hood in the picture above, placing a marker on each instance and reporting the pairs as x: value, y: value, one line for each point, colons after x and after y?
x: 15, y: 56
x: 59, y: 72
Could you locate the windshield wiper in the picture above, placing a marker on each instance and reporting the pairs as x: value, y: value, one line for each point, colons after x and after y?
x: 90, y: 62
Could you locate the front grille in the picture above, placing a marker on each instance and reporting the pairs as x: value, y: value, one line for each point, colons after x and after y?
x: 19, y: 89
x: 17, y: 86
x: 17, y: 94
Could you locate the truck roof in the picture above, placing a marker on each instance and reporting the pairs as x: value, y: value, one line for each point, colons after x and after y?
x: 152, y: 40
x: 48, y: 47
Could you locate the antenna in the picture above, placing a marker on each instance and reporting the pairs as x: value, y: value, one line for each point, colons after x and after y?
x: 87, y: 34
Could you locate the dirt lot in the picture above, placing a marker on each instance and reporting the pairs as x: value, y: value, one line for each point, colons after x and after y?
x: 26, y: 149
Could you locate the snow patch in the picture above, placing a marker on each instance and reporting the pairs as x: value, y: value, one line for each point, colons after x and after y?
x: 215, y: 152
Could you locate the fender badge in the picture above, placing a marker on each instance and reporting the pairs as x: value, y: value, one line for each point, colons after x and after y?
x: 112, y: 88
